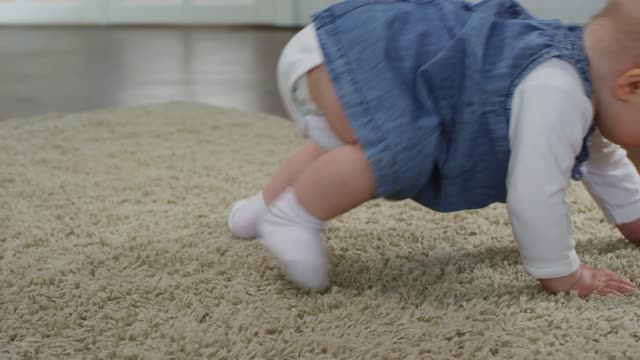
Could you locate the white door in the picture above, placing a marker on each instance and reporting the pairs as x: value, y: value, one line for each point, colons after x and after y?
x: 52, y: 11
x: 191, y: 11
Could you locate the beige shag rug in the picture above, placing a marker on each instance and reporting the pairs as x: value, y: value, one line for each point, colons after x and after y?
x: 114, y: 245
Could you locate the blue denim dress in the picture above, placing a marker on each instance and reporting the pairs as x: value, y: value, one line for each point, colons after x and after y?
x: 427, y: 86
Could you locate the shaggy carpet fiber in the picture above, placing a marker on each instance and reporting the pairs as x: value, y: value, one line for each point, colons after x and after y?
x: 113, y: 244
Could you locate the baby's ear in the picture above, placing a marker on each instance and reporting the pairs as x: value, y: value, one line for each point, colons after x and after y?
x: 628, y: 86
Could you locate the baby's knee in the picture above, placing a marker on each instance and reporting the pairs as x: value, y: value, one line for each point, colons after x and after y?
x: 631, y: 231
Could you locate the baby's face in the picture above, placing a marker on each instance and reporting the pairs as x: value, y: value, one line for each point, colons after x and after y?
x: 620, y: 123
x: 616, y: 85
x: 617, y: 101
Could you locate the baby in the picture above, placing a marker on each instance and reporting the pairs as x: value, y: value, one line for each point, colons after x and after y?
x: 457, y: 106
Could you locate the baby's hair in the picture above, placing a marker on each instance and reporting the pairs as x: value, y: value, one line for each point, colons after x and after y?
x: 623, y: 17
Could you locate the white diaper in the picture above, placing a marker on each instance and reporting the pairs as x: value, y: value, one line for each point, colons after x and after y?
x: 302, y: 54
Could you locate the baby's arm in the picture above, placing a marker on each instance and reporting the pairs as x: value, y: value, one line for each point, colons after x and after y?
x: 550, y: 118
x: 614, y: 183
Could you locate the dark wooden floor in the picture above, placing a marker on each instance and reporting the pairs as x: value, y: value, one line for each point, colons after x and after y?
x: 75, y: 69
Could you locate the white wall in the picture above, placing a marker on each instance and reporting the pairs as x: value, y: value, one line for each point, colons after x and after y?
x: 573, y: 11
x: 24, y: 12
x: 276, y: 12
x: 306, y: 8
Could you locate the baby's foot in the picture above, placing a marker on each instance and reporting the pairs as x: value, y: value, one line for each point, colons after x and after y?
x: 245, y: 216
x: 294, y: 239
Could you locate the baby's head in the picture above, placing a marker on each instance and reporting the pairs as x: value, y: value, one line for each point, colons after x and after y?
x: 612, y: 42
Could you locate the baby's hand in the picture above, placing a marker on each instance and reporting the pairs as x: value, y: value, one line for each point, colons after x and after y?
x: 587, y: 281
x: 602, y: 282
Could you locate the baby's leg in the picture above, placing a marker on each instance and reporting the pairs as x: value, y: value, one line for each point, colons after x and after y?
x: 290, y: 170
x: 337, y: 182
x: 341, y: 179
x: 300, y: 55
x: 338, y: 133
x: 246, y: 214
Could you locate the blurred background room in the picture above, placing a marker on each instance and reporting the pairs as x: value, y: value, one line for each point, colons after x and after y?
x: 122, y: 151
x: 77, y: 55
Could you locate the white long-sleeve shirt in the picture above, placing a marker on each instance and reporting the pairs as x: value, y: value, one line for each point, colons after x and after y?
x: 550, y: 116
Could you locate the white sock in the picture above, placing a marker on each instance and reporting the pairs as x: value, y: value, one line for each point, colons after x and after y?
x: 245, y: 215
x: 294, y: 239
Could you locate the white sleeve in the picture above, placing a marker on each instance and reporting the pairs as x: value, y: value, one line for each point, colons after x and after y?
x: 613, y: 181
x: 549, y: 120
